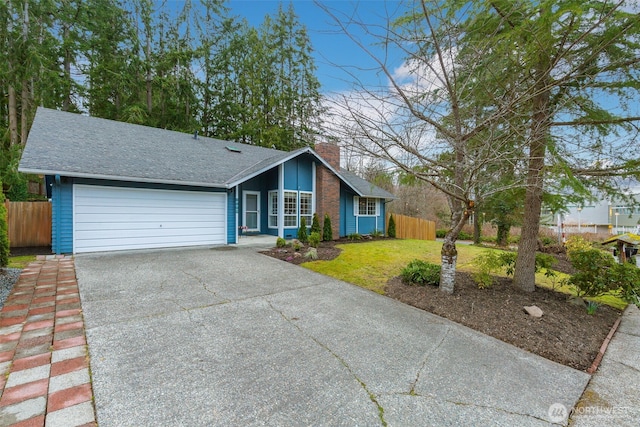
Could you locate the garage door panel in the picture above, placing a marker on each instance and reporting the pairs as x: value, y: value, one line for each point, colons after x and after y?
x: 116, y: 218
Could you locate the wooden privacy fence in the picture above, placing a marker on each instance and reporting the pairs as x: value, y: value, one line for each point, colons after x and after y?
x: 29, y: 223
x: 413, y: 228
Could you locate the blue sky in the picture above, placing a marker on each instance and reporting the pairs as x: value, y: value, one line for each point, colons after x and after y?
x: 333, y: 49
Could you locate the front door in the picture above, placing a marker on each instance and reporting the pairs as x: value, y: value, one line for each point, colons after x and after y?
x: 251, y: 210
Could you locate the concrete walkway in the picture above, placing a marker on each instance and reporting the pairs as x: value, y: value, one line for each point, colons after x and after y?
x: 44, y: 370
x: 229, y: 337
x: 612, y: 397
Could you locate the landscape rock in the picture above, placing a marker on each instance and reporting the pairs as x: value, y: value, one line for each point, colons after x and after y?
x: 577, y: 301
x: 533, y: 310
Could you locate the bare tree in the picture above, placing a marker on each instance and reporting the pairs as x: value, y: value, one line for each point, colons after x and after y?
x: 543, y: 90
x: 424, y: 120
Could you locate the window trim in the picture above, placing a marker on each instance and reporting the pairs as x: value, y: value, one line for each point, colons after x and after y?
x: 272, y: 210
x: 300, y: 214
x: 356, y: 206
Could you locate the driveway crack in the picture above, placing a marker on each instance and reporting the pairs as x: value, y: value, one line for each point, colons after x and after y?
x: 371, y: 395
x: 412, y: 390
x: 201, y: 281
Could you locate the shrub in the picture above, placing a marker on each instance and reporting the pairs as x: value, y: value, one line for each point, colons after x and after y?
x: 596, y: 271
x: 440, y: 233
x: 314, y: 239
x: 465, y: 236
x: 296, y: 245
x: 4, y: 236
x: 315, y: 224
x: 327, y: 231
x: 354, y: 236
x: 377, y: 233
x: 491, y: 262
x: 280, y: 242
x: 302, y: 231
x: 391, y: 232
x: 312, y: 254
x: 421, y: 273
x: 627, y: 278
x: 577, y: 243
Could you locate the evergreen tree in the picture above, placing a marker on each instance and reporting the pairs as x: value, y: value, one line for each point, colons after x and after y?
x: 327, y: 231
x: 302, y: 231
x: 315, y: 224
x: 391, y: 232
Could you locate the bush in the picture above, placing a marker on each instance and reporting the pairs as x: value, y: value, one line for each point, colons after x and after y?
x: 627, y: 276
x: 491, y: 262
x: 354, y: 236
x: 312, y: 254
x: 302, y: 231
x: 391, y: 232
x: 315, y: 225
x: 327, y: 231
x: 4, y: 235
x: 377, y: 233
x: 421, y: 273
x: 296, y: 245
x: 280, y: 242
x: 577, y: 243
x: 596, y: 271
x: 314, y: 239
x: 440, y: 233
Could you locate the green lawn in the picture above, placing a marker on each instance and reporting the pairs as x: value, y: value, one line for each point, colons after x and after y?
x: 371, y: 264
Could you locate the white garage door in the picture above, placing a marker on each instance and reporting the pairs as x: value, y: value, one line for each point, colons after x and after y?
x: 117, y: 218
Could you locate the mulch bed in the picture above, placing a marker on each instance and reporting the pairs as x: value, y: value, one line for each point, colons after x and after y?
x: 565, y: 333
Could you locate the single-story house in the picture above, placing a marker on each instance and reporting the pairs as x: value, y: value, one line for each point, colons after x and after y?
x: 120, y: 186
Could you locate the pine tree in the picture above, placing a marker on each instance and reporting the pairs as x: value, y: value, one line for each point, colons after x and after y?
x: 327, y: 231
x: 302, y: 231
x: 315, y: 224
x: 391, y: 232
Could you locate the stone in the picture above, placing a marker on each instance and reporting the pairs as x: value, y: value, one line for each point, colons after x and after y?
x: 533, y: 311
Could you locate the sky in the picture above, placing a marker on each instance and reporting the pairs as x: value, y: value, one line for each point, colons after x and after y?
x: 332, y: 48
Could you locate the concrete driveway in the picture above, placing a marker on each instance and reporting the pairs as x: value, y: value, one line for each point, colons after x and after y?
x: 226, y: 336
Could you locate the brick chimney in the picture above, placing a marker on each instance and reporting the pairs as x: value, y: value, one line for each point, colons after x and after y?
x: 328, y: 186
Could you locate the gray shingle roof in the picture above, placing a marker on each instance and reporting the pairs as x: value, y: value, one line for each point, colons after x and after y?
x: 364, y: 187
x: 68, y: 144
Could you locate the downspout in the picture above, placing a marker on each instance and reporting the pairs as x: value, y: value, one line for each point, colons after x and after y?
x: 237, y: 188
x: 313, y: 188
x: 58, y: 197
x: 281, y: 200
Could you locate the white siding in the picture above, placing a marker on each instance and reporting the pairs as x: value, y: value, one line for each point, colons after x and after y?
x: 118, y: 218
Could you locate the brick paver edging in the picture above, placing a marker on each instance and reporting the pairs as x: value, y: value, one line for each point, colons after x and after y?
x: 44, y: 365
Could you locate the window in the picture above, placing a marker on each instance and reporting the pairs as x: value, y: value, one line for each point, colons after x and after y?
x: 273, y: 209
x: 365, y: 206
x: 290, y: 209
x: 306, y: 209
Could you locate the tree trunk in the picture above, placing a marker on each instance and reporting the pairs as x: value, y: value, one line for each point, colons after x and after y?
x: 524, y: 276
x: 66, y: 102
x: 449, y: 253
x: 502, y: 238
x: 13, y: 112
x: 477, y: 229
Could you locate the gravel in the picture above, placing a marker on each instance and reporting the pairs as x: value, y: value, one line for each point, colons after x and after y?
x: 8, y: 276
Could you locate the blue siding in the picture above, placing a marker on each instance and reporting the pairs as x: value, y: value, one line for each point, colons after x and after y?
x: 231, y: 217
x: 62, y: 216
x: 347, y: 219
x: 298, y: 174
x: 365, y: 224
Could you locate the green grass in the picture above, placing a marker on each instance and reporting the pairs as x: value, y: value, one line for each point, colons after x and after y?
x: 371, y: 264
x: 20, y: 261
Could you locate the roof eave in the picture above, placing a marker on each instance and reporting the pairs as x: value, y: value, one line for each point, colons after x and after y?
x: 122, y: 178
